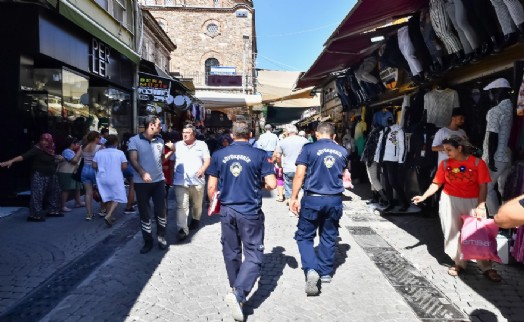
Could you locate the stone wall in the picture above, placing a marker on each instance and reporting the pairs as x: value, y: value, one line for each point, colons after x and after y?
x: 188, y: 29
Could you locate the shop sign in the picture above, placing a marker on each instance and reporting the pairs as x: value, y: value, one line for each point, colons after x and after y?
x: 154, y: 89
x: 100, y: 53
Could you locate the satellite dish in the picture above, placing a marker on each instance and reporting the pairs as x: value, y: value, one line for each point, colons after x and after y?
x: 179, y: 100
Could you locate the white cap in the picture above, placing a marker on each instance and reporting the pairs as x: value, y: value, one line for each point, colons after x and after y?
x: 498, y: 83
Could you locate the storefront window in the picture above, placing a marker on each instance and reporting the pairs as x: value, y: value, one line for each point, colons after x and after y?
x: 110, y: 108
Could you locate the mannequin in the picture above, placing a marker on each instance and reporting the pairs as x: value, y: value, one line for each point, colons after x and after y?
x: 496, y: 152
x: 360, y: 129
x: 467, y: 35
x: 348, y: 142
x: 444, y: 30
x: 430, y: 39
x: 510, y: 13
x: 485, y: 22
x: 390, y: 154
x: 368, y: 157
x: 408, y: 50
x: 381, y: 117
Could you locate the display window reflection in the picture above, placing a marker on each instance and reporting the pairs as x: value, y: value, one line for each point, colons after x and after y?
x: 110, y: 108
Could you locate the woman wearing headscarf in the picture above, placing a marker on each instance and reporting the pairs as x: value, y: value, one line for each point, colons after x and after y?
x: 44, y: 182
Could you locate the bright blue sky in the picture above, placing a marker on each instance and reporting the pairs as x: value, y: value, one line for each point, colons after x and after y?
x: 291, y: 33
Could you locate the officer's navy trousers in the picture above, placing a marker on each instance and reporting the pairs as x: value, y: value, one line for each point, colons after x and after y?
x: 322, y: 213
x: 242, y: 234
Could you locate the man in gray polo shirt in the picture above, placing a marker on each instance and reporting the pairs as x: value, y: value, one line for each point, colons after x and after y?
x: 146, y: 151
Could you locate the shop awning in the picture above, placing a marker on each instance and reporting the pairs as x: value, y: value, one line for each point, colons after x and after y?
x: 212, y: 99
x: 349, y: 43
x: 277, y: 86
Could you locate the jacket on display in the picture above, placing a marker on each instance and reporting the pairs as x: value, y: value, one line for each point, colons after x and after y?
x: 391, y: 145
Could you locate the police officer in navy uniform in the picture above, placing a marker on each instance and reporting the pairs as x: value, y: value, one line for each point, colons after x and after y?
x: 319, y: 172
x: 240, y: 172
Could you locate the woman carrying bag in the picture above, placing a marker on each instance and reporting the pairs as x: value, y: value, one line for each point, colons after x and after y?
x: 465, y: 180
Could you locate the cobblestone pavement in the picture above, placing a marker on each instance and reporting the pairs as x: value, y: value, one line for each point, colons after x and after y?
x: 381, y: 268
x: 419, y: 240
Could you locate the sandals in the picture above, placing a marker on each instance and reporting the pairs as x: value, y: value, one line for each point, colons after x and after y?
x: 454, y: 270
x: 109, y: 221
x: 492, y: 275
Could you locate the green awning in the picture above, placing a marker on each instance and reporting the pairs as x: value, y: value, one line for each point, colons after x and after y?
x: 84, y: 22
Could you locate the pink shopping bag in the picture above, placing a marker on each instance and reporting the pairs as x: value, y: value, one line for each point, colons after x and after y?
x: 478, y: 239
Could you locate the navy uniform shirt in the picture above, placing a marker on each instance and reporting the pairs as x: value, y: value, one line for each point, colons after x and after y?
x: 240, y: 169
x: 325, y: 161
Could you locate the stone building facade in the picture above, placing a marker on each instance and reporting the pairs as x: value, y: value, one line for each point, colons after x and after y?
x: 210, y: 33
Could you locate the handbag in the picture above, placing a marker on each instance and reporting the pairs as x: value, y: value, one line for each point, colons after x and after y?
x: 478, y: 239
x: 77, y: 174
x: 96, y: 194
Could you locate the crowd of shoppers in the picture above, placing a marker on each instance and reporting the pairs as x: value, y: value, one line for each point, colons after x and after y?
x: 307, y: 173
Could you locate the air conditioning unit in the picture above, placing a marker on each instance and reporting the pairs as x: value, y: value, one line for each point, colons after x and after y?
x: 241, y: 14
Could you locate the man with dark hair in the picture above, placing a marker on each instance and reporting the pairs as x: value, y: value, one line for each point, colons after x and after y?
x: 103, y: 135
x: 319, y: 169
x: 238, y: 171
x: 191, y: 161
x: 146, y: 151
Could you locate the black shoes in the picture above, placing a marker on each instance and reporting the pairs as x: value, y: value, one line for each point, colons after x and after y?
x: 194, y: 224
x: 182, y: 235
x: 162, y: 243
x: 147, y: 248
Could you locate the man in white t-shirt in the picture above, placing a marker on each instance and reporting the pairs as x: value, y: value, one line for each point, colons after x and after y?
x: 457, y: 120
x: 192, y: 159
x: 287, y: 153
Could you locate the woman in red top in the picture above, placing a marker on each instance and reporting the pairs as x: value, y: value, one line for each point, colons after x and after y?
x: 465, y: 180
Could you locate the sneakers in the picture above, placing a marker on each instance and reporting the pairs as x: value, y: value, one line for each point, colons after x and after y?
x: 65, y: 209
x: 325, y: 278
x: 235, y: 306
x: 312, y: 283
x: 162, y: 243
x: 102, y: 213
x: 129, y: 211
x: 182, y: 235
x: 147, y: 247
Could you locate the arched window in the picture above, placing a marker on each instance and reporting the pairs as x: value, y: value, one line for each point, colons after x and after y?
x: 210, y: 62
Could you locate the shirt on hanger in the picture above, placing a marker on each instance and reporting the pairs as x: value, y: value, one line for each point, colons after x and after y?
x: 439, y: 105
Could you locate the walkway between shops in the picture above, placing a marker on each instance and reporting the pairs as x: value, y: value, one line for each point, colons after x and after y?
x: 388, y: 269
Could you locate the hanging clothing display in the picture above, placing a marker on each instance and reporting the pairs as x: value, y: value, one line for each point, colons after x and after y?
x: 408, y: 50
x: 467, y: 35
x: 442, y: 26
x: 415, y: 35
x: 483, y: 19
x: 430, y: 38
x: 360, y: 140
x: 439, y: 104
x: 391, y: 56
x: 509, y: 13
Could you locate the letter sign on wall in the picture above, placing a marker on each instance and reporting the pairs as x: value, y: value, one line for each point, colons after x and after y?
x: 100, y: 53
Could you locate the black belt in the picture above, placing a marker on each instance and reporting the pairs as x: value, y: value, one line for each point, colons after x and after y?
x: 312, y: 194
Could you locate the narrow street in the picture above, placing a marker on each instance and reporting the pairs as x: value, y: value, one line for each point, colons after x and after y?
x: 387, y: 269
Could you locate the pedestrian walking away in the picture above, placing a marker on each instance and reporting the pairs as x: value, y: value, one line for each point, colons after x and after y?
x: 267, y: 141
x: 319, y: 172
x: 146, y: 151
x: 191, y: 161
x: 109, y: 164
x: 237, y: 171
